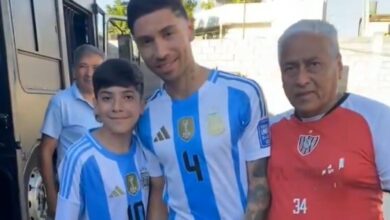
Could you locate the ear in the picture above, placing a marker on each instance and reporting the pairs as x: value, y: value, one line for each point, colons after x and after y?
x: 190, y: 27
x: 142, y: 105
x: 340, y: 66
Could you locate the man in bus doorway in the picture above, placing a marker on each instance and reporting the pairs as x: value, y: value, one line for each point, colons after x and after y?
x: 69, y: 115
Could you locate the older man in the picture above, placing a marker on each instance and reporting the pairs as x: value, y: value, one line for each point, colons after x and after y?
x: 69, y: 115
x: 330, y: 155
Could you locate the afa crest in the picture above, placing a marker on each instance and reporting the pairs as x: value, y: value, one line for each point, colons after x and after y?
x: 132, y: 184
x: 186, y: 128
x: 215, y: 124
x: 307, y: 144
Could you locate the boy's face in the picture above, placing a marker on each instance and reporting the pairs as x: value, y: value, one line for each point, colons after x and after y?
x: 118, y: 108
x: 164, y: 41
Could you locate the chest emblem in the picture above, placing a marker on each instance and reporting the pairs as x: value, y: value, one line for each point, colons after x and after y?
x: 186, y: 128
x: 132, y: 184
x: 215, y: 125
x: 307, y: 144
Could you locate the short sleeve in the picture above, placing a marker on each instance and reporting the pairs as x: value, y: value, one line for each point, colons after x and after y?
x: 52, y: 124
x: 152, y: 163
x: 256, y: 136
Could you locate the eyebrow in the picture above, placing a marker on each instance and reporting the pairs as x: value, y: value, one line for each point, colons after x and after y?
x: 166, y: 28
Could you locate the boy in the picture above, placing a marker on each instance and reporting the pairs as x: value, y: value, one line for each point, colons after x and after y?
x: 104, y: 174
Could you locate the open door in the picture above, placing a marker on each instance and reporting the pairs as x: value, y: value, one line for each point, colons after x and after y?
x: 120, y: 44
x: 9, y: 202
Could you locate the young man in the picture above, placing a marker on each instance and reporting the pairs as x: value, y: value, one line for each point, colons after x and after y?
x: 68, y: 117
x: 104, y: 174
x: 330, y: 156
x: 207, y: 128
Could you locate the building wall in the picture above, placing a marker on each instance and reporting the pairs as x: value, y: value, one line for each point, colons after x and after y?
x: 368, y: 61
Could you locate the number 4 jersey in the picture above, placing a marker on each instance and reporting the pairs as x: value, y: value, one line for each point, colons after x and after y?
x: 333, y: 168
x: 203, y: 143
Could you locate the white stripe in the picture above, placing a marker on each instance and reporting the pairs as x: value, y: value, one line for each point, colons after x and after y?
x: 166, y: 152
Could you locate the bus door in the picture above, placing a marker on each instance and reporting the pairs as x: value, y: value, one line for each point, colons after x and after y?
x: 9, y: 194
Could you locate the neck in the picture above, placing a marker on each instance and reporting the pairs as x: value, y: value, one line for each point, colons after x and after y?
x: 117, y: 143
x: 188, y: 83
x: 86, y: 94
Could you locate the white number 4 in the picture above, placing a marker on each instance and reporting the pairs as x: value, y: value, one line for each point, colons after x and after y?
x: 300, y: 206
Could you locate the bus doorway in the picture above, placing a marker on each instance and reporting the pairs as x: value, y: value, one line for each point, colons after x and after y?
x: 9, y: 203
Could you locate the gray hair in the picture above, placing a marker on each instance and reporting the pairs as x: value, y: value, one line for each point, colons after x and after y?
x: 85, y: 50
x: 319, y: 27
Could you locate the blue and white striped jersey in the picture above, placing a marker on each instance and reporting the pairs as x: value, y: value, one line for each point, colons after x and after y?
x: 98, y: 184
x: 203, y: 143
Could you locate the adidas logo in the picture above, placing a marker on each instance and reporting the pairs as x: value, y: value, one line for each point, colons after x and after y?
x: 161, y: 135
x: 116, y: 192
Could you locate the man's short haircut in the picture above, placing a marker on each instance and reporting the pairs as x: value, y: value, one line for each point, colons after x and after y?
x: 117, y: 72
x: 139, y: 8
x: 319, y: 27
x: 85, y: 50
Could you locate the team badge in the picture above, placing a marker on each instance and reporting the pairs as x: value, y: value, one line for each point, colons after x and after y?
x: 263, y: 133
x: 215, y: 125
x: 132, y: 184
x: 145, y: 177
x: 186, y: 128
x: 307, y: 144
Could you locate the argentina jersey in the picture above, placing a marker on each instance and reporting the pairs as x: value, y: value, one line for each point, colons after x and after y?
x: 203, y: 144
x: 98, y: 184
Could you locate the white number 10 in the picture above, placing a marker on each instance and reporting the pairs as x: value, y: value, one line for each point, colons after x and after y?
x: 300, y: 206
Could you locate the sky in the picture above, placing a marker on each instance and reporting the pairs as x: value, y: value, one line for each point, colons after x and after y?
x: 344, y: 14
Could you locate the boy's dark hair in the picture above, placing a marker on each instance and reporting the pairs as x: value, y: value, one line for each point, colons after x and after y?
x: 139, y: 8
x: 117, y: 72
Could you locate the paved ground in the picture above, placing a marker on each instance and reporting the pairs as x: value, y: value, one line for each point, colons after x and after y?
x: 386, y: 206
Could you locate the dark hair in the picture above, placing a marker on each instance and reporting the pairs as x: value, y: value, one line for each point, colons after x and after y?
x: 85, y: 50
x: 117, y: 72
x: 139, y: 8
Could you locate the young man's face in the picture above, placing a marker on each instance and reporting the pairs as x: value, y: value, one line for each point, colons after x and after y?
x: 118, y: 108
x: 164, y: 41
x: 84, y: 70
x: 310, y: 74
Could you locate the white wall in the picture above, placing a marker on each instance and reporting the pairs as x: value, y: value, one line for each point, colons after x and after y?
x: 368, y: 61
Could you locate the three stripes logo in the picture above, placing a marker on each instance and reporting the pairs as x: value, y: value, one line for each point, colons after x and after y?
x: 116, y: 192
x: 161, y: 135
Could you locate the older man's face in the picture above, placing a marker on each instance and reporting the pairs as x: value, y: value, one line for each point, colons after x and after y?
x: 84, y: 70
x: 310, y: 74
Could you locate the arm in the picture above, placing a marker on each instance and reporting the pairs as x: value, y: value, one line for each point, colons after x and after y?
x: 258, y: 193
x: 46, y: 150
x: 157, y: 210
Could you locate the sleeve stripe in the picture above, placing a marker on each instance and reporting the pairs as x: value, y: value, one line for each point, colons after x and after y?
x: 253, y: 84
x: 70, y: 166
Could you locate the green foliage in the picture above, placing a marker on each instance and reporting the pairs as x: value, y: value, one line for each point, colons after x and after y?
x: 190, y: 6
x: 117, y: 9
x: 207, y: 5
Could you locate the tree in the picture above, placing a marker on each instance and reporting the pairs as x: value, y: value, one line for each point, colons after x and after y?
x: 118, y: 9
x: 190, y: 6
x: 207, y: 5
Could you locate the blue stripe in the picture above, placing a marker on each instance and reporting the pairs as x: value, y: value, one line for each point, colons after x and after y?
x: 172, y: 214
x: 253, y: 84
x: 95, y: 195
x: 197, y: 185
x: 127, y: 167
x: 144, y: 131
x: 237, y: 128
x: 69, y: 171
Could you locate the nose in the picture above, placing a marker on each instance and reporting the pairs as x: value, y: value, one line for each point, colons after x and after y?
x: 91, y: 70
x: 161, y: 51
x: 117, y: 105
x: 303, y: 77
